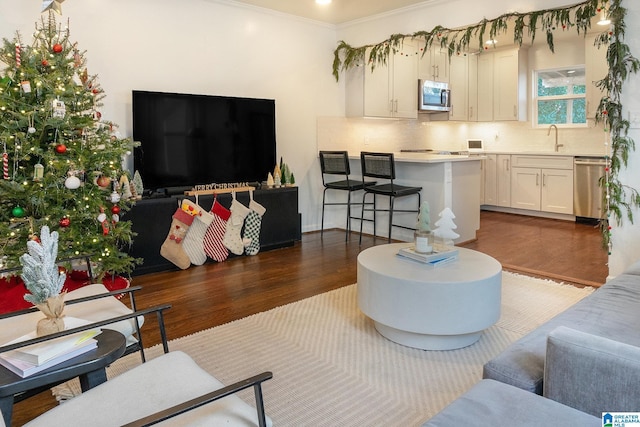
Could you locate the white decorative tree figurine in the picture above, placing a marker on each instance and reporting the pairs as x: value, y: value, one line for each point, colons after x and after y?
x: 424, y: 218
x: 43, y: 279
x: 445, y: 227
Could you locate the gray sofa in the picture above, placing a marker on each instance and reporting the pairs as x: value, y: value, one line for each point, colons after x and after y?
x: 583, y: 362
x: 612, y: 311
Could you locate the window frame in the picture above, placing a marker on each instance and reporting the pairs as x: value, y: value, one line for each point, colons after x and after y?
x: 572, y: 96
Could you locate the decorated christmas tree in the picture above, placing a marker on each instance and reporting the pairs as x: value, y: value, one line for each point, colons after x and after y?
x: 61, y: 162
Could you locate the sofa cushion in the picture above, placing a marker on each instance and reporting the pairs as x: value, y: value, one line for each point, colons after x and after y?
x: 492, y: 403
x: 611, y: 311
x: 590, y: 373
x: 159, y: 384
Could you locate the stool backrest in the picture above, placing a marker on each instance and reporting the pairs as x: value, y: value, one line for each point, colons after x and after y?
x: 378, y: 165
x: 335, y: 163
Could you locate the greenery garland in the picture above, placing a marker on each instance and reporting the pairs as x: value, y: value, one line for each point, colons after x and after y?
x: 620, y: 199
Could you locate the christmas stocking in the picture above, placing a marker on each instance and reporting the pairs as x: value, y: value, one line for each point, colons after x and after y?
x: 213, y: 246
x: 194, y: 241
x: 172, y: 248
x: 232, y: 235
x: 252, y: 227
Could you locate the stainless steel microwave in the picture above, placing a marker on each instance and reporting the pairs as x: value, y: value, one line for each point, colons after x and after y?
x: 433, y: 97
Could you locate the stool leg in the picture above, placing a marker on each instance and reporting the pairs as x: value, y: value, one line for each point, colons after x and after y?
x: 324, y: 194
x: 364, y: 198
x: 391, y: 202
x: 346, y: 236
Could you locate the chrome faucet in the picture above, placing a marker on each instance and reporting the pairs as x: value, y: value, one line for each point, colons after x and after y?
x: 556, y: 146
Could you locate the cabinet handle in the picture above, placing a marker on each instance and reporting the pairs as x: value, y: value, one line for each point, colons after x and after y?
x: 515, y: 111
x: 537, y: 179
x: 395, y: 108
x: 433, y: 73
x: 506, y: 163
x: 437, y: 71
x: 543, y: 179
x: 470, y: 112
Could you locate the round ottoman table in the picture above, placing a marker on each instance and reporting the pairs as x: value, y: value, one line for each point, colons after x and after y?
x: 431, y: 308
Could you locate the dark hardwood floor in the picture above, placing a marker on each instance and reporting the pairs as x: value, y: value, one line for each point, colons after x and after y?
x: 217, y: 293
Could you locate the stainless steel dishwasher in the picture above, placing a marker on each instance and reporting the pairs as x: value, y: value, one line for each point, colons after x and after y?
x: 587, y: 193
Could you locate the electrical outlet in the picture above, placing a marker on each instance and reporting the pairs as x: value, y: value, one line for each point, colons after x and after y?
x: 366, y: 141
x: 634, y: 119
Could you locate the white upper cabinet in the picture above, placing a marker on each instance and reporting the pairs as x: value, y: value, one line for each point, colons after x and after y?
x: 459, y: 85
x: 390, y: 90
x: 596, y: 68
x: 434, y: 65
x: 510, y: 85
x: 485, y: 88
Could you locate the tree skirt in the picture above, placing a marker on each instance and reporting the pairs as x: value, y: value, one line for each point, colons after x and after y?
x: 12, y: 288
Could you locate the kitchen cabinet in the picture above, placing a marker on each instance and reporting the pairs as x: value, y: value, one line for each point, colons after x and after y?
x: 389, y: 90
x: 510, y: 85
x: 503, y: 180
x: 596, y: 68
x: 459, y: 85
x: 497, y: 180
x: 542, y: 183
x: 502, y: 85
x: 472, y: 87
x: 434, y: 65
x: 484, y: 100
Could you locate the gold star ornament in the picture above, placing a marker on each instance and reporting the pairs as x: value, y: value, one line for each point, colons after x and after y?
x: 55, y: 5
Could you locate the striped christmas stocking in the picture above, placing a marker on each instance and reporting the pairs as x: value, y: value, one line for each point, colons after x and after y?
x: 194, y: 241
x: 213, y: 246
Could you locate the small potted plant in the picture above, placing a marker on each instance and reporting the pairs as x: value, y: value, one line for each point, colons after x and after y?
x: 44, y: 281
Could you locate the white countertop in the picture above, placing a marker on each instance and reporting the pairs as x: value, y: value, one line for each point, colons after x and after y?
x: 431, y: 157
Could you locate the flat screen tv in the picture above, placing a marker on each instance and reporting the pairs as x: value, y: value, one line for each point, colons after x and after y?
x: 189, y: 140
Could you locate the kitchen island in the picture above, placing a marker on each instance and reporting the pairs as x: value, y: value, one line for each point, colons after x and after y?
x: 447, y: 180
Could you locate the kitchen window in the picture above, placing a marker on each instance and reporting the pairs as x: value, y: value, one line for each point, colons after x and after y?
x: 560, y: 97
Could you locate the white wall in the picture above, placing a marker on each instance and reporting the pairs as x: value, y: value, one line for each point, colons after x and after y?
x: 205, y: 47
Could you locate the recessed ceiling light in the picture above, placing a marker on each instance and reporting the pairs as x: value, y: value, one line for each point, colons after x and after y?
x: 323, y: 1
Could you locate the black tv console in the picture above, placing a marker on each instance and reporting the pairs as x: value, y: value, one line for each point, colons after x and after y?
x: 151, y: 220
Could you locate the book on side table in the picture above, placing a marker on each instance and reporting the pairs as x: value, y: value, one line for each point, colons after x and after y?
x: 435, y: 258
x: 32, y: 359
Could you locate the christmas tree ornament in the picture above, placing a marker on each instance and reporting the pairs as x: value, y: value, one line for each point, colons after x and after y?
x: 115, y: 218
x: 31, y: 129
x: 45, y: 63
x: 72, y: 182
x: 5, y: 163
x: 61, y: 148
x: 38, y: 172
x: 18, y: 55
x: 59, y: 109
x: 18, y: 212
x: 114, y: 197
x: 26, y: 86
x: 102, y: 217
x: 64, y: 222
x: 55, y: 5
x: 57, y: 48
x: 115, y: 209
x: 103, y: 181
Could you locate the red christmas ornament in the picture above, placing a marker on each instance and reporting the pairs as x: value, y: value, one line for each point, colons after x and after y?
x: 65, y: 222
x: 45, y: 63
x: 57, y: 48
x: 95, y: 91
x: 61, y: 148
x: 115, y: 209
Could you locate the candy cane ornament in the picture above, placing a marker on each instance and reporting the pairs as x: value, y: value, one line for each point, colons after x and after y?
x: 5, y: 165
x: 18, y: 59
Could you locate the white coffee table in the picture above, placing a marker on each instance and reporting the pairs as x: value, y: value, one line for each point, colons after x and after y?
x: 431, y: 308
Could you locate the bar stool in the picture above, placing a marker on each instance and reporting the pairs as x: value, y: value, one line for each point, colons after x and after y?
x: 382, y: 165
x: 337, y: 163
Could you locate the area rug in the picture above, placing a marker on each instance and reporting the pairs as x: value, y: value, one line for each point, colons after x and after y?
x: 331, y: 368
